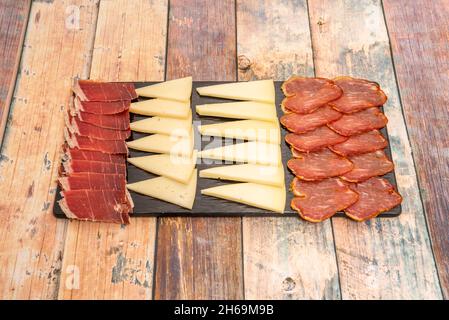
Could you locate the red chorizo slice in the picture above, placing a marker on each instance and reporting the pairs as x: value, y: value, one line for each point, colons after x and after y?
x: 318, y: 165
x: 363, y: 143
x: 316, y: 201
x: 359, y: 122
x: 305, y: 95
x: 376, y: 195
x: 358, y: 94
x: 314, y: 140
x: 300, y: 123
x: 368, y: 165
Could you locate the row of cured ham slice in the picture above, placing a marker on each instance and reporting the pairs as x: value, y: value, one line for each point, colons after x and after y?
x: 93, y: 171
x: 337, y: 148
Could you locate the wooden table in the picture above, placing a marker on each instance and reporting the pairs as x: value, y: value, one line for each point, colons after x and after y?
x: 401, y: 44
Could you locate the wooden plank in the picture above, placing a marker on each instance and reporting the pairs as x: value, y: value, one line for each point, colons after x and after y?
x: 382, y: 258
x: 284, y: 258
x: 200, y: 258
x: 419, y: 37
x: 31, y: 239
x: 13, y: 21
x: 116, y: 262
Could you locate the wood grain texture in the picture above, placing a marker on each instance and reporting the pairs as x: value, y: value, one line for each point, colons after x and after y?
x: 284, y: 258
x: 419, y: 35
x: 32, y: 241
x: 382, y: 258
x: 200, y: 258
x: 13, y: 22
x: 116, y: 262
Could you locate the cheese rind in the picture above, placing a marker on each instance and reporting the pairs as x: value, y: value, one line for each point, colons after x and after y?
x: 247, y: 152
x: 169, y: 190
x: 250, y: 110
x: 161, y: 143
x: 161, y: 107
x: 260, y: 90
x: 261, y: 174
x: 178, y: 89
x: 252, y: 130
x: 170, y: 166
x: 252, y: 194
x: 169, y: 126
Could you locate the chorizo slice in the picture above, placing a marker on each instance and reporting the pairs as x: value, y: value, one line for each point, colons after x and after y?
x: 314, y: 140
x: 363, y: 143
x: 316, y: 201
x: 305, y: 95
x: 301, y: 123
x: 376, y: 195
x: 368, y: 165
x: 358, y: 94
x: 318, y: 165
x: 359, y: 122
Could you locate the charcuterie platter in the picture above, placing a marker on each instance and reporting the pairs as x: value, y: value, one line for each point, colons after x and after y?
x: 205, y: 123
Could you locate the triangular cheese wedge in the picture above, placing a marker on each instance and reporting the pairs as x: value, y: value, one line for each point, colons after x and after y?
x: 166, y: 189
x: 252, y: 194
x: 170, y: 166
x: 178, y: 89
x: 247, y: 152
x: 169, y: 126
x: 161, y: 143
x: 261, y: 90
x: 252, y: 130
x: 270, y: 175
x: 250, y: 110
x: 161, y: 107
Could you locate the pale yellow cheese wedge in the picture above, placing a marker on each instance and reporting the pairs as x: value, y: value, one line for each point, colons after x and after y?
x: 169, y: 190
x: 262, y: 174
x: 250, y: 110
x: 260, y: 90
x: 169, y: 126
x: 178, y: 89
x: 252, y: 130
x: 161, y: 143
x: 248, y: 152
x: 252, y: 194
x: 175, y: 167
x: 161, y: 107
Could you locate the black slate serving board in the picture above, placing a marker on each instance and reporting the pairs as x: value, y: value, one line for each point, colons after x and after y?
x: 206, y: 206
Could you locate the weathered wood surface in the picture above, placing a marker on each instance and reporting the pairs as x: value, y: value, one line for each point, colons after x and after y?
x: 31, y: 246
x: 382, y: 258
x: 284, y: 258
x: 113, y: 261
x: 13, y: 22
x: 200, y: 258
x: 419, y: 35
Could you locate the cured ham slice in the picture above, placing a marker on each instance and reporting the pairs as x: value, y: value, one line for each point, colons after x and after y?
x: 305, y: 95
x: 100, y: 107
x: 78, y: 154
x: 359, y: 122
x: 93, y: 181
x: 75, y: 125
x: 96, y: 205
x: 359, y: 144
x: 88, y: 143
x: 301, y: 123
x: 118, y: 121
x: 316, y: 201
x: 358, y: 94
x: 368, y: 165
x: 89, y: 90
x: 314, y: 140
x: 376, y: 195
x: 318, y: 165
x: 94, y: 166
